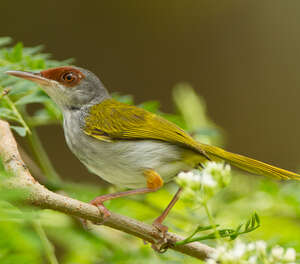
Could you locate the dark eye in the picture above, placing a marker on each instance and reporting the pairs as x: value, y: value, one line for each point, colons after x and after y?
x: 69, y: 77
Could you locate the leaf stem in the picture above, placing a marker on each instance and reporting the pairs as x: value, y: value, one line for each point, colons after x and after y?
x: 211, y: 220
x: 49, y: 249
x: 17, y: 113
x: 41, y: 156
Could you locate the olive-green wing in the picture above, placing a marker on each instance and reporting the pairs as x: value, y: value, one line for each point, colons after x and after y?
x: 111, y: 120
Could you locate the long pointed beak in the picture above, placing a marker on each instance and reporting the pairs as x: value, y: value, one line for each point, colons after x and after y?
x: 35, y: 77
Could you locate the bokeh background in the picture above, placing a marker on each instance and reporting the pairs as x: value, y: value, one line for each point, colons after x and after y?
x: 243, y: 57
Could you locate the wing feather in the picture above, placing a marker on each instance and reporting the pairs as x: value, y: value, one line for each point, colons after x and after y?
x: 112, y: 120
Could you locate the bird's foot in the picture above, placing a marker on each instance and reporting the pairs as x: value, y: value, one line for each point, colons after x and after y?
x: 162, y: 244
x: 104, y: 212
x: 163, y: 229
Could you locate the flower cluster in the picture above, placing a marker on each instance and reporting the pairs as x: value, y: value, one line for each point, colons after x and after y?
x: 257, y: 252
x: 200, y: 185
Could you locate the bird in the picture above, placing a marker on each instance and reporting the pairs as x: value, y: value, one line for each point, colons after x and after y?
x: 126, y: 145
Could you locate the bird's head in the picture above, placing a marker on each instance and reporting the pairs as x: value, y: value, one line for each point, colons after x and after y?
x: 69, y: 87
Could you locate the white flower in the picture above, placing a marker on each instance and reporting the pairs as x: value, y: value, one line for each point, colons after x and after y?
x: 229, y: 253
x: 189, y: 179
x: 220, y: 250
x: 211, y: 261
x: 227, y: 257
x: 261, y: 246
x: 290, y: 255
x: 200, y: 185
x: 252, y: 260
x: 207, y: 180
x: 253, y: 253
x: 277, y: 252
x: 212, y: 175
x: 251, y: 246
x: 185, y: 176
x: 219, y: 171
x: 238, y: 250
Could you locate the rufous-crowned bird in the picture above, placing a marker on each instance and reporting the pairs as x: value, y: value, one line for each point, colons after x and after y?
x: 126, y: 145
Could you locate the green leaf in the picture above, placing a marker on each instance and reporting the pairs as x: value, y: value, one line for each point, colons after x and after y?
x: 37, y: 97
x: 5, y: 40
x: 151, y: 106
x: 176, y: 119
x: 42, y: 117
x: 17, y: 52
x: 20, y: 87
x: 53, y: 110
x: 127, y: 99
x: 204, y: 228
x: 8, y: 114
x: 251, y: 225
x: 239, y: 228
x: 257, y: 218
x: 33, y: 50
x: 20, y: 130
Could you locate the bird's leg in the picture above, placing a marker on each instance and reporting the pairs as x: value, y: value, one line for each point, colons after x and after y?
x: 154, y: 182
x: 99, y: 200
x: 163, y: 244
x: 159, y: 220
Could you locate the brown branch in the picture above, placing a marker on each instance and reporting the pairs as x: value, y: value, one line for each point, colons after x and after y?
x: 38, y: 195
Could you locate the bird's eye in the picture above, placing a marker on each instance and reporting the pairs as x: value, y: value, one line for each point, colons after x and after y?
x: 69, y: 77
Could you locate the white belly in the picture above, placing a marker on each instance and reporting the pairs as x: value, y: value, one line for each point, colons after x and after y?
x: 123, y: 162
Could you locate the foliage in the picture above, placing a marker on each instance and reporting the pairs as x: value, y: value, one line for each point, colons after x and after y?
x: 24, y: 93
x: 252, y: 224
x: 29, y: 235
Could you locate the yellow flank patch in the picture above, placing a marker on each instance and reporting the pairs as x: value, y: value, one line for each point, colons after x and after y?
x: 192, y: 158
x: 154, y: 181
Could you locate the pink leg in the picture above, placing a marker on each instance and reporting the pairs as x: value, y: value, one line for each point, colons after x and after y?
x: 162, y: 245
x: 98, y: 201
x: 159, y: 220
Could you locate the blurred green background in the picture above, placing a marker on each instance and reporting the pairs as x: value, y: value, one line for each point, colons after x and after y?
x: 243, y: 57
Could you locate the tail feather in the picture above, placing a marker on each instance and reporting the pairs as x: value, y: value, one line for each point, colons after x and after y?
x: 248, y: 164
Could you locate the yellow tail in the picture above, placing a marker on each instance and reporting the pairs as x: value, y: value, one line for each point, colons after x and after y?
x: 248, y: 164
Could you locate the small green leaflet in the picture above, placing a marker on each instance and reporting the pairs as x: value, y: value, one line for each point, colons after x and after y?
x: 20, y: 130
x: 37, y: 97
x: 252, y: 224
x: 8, y: 114
x: 5, y: 41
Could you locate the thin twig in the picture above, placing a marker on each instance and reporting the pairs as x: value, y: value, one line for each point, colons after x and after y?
x: 17, y: 113
x: 48, y: 247
x: 38, y: 195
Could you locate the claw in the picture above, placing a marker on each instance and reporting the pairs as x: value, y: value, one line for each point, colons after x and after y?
x: 163, y: 229
x: 160, y: 248
x: 105, y: 213
x: 162, y: 244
